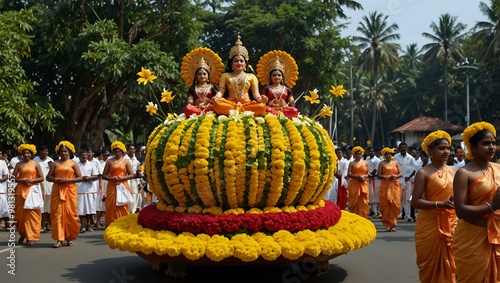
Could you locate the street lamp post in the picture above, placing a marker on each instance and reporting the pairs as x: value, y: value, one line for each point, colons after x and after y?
x: 467, y: 68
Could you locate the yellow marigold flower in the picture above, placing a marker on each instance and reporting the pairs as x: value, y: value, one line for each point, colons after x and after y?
x: 326, y: 112
x: 385, y: 150
x: 313, y: 98
x: 434, y: 136
x: 166, y: 96
x: 338, y: 91
x: 473, y: 129
x: 145, y: 76
x: 151, y: 108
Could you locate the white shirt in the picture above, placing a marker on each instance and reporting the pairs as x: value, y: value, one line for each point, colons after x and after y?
x: 44, y: 164
x: 406, y: 162
x: 87, y: 169
x: 14, y: 161
x: 372, y: 163
x: 459, y: 164
x: 4, y: 170
x: 136, y: 165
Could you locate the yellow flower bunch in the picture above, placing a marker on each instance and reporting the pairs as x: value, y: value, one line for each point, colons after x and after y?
x: 30, y: 147
x: 217, y: 166
x: 329, y: 171
x: 386, y: 150
x: 313, y: 97
x: 356, y: 149
x: 298, y: 163
x: 277, y: 160
x: 202, y: 154
x: 241, y: 163
x: 473, y: 129
x: 351, y: 232
x: 338, y: 91
x: 146, y: 76
x: 434, y: 136
x: 230, y: 166
x: 313, y: 173
x: 254, y: 172
x: 67, y: 145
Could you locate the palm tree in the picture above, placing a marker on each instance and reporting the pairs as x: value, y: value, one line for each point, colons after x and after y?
x: 489, y: 32
x: 444, y: 48
x: 378, y: 52
x: 377, y: 93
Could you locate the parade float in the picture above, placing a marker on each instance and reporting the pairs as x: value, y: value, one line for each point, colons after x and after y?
x: 238, y: 189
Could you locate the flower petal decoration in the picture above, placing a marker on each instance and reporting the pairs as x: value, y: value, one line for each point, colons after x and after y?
x: 338, y: 91
x: 326, y: 111
x: 267, y: 63
x: 166, y: 96
x: 145, y: 76
x: 192, y: 60
x: 151, y: 108
x: 473, y: 129
x: 313, y: 97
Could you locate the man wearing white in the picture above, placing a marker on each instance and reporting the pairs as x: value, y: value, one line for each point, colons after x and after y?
x: 97, y: 189
x: 134, y: 183
x: 373, y: 182
x: 44, y: 160
x: 86, y: 199
x: 342, y: 168
x: 4, y: 205
x: 407, y: 164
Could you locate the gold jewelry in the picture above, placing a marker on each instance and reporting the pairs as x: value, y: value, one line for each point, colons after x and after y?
x: 238, y: 49
x: 482, y: 170
x: 439, y: 171
x: 239, y: 82
x: 436, y: 203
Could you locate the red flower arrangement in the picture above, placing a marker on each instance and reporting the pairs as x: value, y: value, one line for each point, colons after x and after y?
x: 322, y: 217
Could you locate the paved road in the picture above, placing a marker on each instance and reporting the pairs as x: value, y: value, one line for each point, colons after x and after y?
x: 390, y: 258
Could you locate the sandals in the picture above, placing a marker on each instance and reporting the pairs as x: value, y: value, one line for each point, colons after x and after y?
x: 21, y: 240
x: 90, y: 229
x: 58, y: 245
x: 69, y: 243
x: 392, y: 229
x: 82, y: 230
x: 29, y: 243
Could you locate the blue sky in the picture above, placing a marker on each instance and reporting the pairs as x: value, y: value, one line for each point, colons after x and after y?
x: 415, y: 16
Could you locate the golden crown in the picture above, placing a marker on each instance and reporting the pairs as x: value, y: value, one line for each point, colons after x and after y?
x: 203, y: 64
x: 276, y: 65
x: 238, y: 49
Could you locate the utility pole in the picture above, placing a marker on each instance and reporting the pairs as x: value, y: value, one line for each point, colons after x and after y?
x: 467, y: 68
x: 352, y: 101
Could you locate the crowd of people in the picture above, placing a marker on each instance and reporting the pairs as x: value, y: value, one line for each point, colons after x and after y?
x: 71, y: 191
x: 452, y: 193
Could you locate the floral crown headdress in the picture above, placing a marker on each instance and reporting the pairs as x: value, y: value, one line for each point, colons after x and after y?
x: 119, y: 145
x: 67, y: 145
x: 356, y: 149
x: 30, y: 147
x: 432, y: 137
x: 473, y: 129
x: 201, y: 58
x: 280, y: 60
x: 386, y: 150
x: 238, y: 49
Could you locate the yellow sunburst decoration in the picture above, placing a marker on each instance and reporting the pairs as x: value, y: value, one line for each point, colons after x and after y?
x: 194, y: 59
x: 268, y: 60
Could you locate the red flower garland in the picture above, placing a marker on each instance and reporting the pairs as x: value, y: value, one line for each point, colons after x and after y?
x: 211, y: 224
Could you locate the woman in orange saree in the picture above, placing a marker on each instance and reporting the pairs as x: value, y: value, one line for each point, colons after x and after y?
x: 358, y: 184
x: 65, y: 173
x: 389, y: 172
x: 27, y: 173
x: 116, y: 171
x: 433, y: 196
x: 476, y: 243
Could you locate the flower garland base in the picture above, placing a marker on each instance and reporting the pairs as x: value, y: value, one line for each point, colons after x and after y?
x: 176, y: 266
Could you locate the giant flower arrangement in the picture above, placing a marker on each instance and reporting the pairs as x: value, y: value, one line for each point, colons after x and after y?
x: 240, y: 187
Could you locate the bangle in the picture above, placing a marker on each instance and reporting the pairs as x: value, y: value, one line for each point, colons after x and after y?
x: 436, y: 203
x: 489, y: 206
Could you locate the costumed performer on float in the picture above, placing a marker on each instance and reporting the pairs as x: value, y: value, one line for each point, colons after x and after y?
x: 64, y: 173
x: 27, y: 174
x: 200, y: 68
x: 358, y: 184
x: 389, y: 172
x: 433, y: 196
x: 476, y: 242
x: 277, y: 71
x: 236, y: 83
